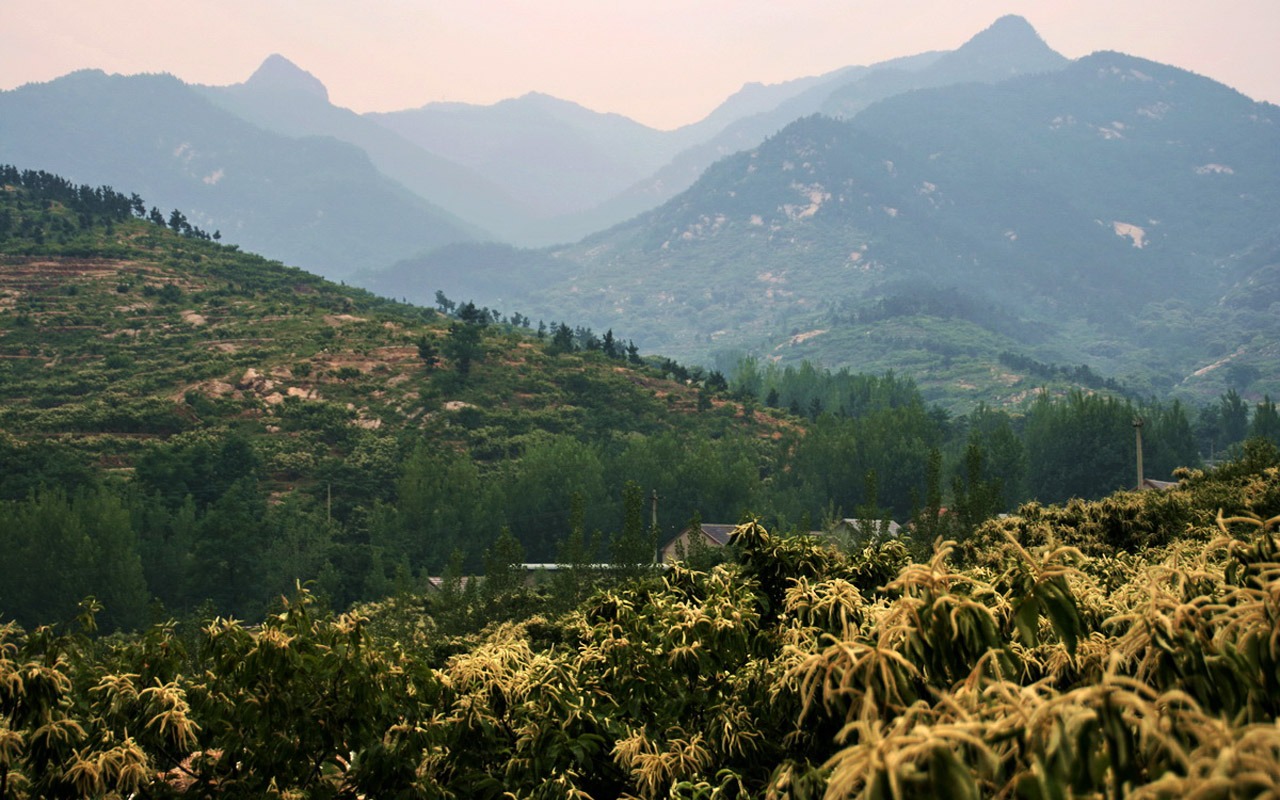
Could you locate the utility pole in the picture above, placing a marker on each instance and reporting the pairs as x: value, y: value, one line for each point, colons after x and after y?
x: 653, y: 530
x: 1137, y: 429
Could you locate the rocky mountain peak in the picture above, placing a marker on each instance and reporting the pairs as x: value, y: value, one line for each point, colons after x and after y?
x: 1010, y: 40
x: 279, y: 74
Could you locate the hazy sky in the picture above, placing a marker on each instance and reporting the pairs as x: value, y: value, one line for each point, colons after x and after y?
x: 661, y: 62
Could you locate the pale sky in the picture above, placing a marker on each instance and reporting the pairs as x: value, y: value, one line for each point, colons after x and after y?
x: 661, y: 62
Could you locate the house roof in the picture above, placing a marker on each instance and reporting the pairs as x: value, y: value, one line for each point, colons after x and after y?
x: 718, y: 533
x: 713, y: 532
x: 892, y: 527
x: 437, y: 582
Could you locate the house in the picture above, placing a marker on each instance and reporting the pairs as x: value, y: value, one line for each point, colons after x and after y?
x: 712, y: 535
x: 1160, y: 486
x: 534, y: 575
x: 849, y: 528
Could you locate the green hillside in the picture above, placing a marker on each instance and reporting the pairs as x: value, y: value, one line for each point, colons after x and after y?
x: 205, y: 380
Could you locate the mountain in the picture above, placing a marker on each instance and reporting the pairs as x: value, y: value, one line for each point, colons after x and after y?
x: 498, y: 272
x: 285, y: 99
x: 554, y: 157
x: 278, y: 75
x: 1111, y: 213
x: 534, y: 170
x: 1010, y: 47
x: 307, y: 200
x: 587, y: 171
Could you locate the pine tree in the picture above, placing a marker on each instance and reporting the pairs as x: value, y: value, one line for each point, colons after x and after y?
x: 1266, y: 421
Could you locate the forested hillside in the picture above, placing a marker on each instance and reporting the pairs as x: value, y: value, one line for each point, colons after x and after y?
x: 186, y: 426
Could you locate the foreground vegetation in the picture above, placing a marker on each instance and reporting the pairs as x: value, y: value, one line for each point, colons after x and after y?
x: 1115, y: 648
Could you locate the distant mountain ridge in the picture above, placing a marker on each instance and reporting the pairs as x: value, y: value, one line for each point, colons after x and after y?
x: 1099, y: 214
x: 533, y: 170
x: 555, y: 157
x: 1008, y: 48
x: 309, y: 201
x: 283, y: 98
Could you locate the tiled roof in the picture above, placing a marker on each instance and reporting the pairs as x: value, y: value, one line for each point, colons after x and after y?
x: 872, y: 524
x: 718, y: 533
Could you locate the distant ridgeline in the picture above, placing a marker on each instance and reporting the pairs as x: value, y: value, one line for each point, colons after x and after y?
x: 87, y: 206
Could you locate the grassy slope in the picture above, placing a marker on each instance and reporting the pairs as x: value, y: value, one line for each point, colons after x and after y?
x: 113, y: 338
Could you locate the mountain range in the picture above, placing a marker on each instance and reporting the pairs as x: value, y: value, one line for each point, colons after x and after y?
x: 1117, y: 213
x: 532, y: 170
x: 932, y: 214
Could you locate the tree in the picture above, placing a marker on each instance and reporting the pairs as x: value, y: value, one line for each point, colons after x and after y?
x: 636, y: 545
x: 471, y: 315
x: 1266, y: 422
x: 200, y: 466
x: 1233, y: 418
x: 228, y: 548
x: 503, y: 566
x: 576, y: 555
x: 874, y: 519
x: 440, y: 504
x: 539, y: 491
x: 562, y: 339
x: 1168, y: 441
x: 463, y: 346
x: 60, y: 548
x: 428, y: 352
x: 928, y: 518
x: 975, y: 497
x: 1082, y: 446
x: 1003, y: 455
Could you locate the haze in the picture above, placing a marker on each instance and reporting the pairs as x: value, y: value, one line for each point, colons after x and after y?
x: 664, y: 63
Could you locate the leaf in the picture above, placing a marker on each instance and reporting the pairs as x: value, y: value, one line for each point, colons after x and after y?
x: 1062, y: 610
x: 950, y: 778
x: 1027, y: 619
